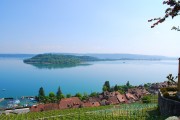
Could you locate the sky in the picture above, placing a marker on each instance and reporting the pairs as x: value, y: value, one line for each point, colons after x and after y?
x: 86, y: 26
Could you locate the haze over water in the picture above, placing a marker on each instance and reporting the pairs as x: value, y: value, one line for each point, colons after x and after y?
x: 20, y: 79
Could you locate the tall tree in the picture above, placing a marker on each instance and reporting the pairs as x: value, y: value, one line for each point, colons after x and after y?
x: 107, y: 85
x: 41, y: 94
x: 127, y: 84
x: 116, y: 87
x: 59, y: 93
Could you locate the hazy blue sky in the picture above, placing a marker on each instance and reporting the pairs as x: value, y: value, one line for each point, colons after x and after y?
x: 86, y: 26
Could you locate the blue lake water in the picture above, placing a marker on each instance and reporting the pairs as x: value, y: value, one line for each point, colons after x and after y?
x: 20, y: 79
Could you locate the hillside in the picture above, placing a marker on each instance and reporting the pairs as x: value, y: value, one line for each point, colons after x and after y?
x: 119, y: 56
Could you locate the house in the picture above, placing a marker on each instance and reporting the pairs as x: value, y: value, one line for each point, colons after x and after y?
x: 122, y: 98
x: 90, y: 104
x: 51, y: 106
x: 138, y: 92
x: 37, y: 108
x: 104, y: 102
x: 113, y: 100
x: 73, y: 102
x: 44, y: 107
x: 95, y: 99
x: 130, y: 97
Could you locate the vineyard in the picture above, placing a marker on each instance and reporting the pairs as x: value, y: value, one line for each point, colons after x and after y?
x: 136, y: 111
x: 133, y: 111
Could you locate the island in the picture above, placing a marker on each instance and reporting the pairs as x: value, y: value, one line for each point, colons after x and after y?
x: 59, y: 59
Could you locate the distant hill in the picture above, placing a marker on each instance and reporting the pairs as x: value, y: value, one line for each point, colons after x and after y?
x: 131, y: 56
x: 99, y: 56
x: 124, y: 56
x: 59, y: 59
x: 16, y: 55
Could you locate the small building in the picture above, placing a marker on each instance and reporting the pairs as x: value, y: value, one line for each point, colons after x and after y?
x: 130, y: 97
x: 73, y: 102
x: 122, y: 98
x: 113, y: 100
x: 90, y: 104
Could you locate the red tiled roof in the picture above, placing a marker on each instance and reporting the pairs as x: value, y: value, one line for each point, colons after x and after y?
x: 130, y: 96
x: 73, y: 102
x: 42, y: 107
x: 121, y: 98
x: 113, y: 100
x: 91, y: 104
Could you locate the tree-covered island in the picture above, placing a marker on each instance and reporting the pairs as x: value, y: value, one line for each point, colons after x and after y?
x: 59, y: 59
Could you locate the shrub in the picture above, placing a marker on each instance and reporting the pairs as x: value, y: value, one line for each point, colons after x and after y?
x: 146, y: 99
x: 166, y: 94
x: 172, y: 89
x: 163, y: 90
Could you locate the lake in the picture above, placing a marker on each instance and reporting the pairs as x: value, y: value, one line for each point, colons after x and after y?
x: 19, y: 79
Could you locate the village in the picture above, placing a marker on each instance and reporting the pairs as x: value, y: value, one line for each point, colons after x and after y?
x: 132, y: 95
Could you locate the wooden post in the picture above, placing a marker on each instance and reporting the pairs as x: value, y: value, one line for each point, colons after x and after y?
x: 179, y: 78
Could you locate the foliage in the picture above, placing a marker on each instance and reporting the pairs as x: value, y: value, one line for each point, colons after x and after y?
x: 172, y: 10
x: 85, y: 96
x: 58, y: 94
x: 146, y: 99
x: 147, y: 85
x: 116, y: 88
x: 79, y: 95
x: 59, y: 59
x: 123, y: 88
x: 165, y: 92
x: 127, y: 84
x: 171, y: 79
x: 52, y: 97
x: 106, y: 86
x: 41, y: 94
x: 68, y: 95
x: 166, y: 89
x: 62, y: 96
x: 93, y: 94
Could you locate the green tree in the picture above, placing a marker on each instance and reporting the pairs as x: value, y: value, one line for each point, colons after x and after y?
x: 79, y: 95
x: 59, y: 93
x: 93, y: 94
x: 116, y: 87
x: 62, y: 96
x: 104, y: 88
x: 85, y: 96
x: 52, y: 97
x: 68, y: 95
x: 41, y: 94
x: 146, y: 99
x: 128, y: 84
x: 106, y: 85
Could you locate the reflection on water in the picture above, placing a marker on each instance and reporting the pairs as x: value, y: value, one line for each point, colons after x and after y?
x: 57, y: 66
